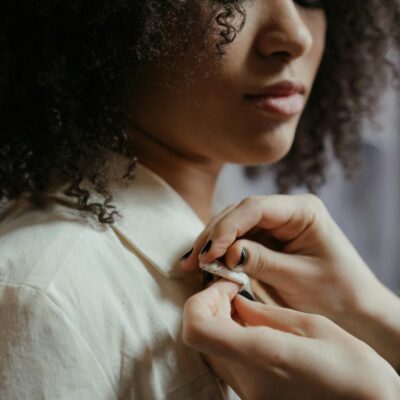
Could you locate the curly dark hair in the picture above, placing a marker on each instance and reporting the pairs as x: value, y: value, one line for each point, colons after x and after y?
x: 66, y: 66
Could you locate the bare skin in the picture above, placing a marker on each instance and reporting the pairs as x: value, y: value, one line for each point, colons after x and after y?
x: 187, y: 131
x: 269, y: 352
x: 316, y: 269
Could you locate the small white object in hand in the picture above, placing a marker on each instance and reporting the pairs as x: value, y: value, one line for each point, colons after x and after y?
x: 219, y: 269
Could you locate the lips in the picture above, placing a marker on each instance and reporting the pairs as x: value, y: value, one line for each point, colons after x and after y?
x: 285, y: 99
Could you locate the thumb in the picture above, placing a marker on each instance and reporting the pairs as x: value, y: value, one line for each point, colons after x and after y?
x: 207, y: 322
x: 263, y: 264
x: 278, y: 318
x: 212, y: 302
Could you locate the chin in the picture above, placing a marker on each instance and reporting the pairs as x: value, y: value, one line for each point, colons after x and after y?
x: 266, y: 155
x: 269, y: 149
x: 265, y: 158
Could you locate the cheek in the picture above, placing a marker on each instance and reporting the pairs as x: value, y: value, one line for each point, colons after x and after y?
x: 317, y: 25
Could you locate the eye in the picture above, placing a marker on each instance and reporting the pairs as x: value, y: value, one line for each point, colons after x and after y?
x: 310, y: 3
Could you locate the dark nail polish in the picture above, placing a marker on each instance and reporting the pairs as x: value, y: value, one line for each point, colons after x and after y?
x: 187, y: 255
x: 207, y: 278
x: 243, y: 258
x: 247, y: 295
x: 206, y: 247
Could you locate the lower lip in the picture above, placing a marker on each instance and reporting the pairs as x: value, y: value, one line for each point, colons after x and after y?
x: 285, y: 106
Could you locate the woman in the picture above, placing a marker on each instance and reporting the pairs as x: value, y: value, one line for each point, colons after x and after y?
x: 274, y: 352
x: 93, y: 309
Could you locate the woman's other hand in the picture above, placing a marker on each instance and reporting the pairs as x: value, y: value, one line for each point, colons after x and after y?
x: 292, y: 244
x: 271, y: 352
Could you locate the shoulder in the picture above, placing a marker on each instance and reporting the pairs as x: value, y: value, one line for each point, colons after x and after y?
x: 79, y: 264
x: 36, y: 243
x: 58, y: 279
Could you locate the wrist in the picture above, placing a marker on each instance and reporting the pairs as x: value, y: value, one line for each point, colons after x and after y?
x: 380, y: 379
x: 390, y: 386
x: 376, y: 321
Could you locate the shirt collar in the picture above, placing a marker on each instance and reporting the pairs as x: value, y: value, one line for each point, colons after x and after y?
x: 155, y: 220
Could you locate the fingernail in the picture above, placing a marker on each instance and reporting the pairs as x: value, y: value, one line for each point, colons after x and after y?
x: 247, y: 295
x: 187, y: 255
x: 244, y: 255
x: 206, y: 247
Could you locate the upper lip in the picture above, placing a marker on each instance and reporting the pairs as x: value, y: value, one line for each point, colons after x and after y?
x: 280, y: 89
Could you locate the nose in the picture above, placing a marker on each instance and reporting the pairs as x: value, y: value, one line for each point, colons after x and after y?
x: 284, y: 34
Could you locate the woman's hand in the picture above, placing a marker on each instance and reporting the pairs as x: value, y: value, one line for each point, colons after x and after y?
x: 292, y: 244
x: 271, y: 352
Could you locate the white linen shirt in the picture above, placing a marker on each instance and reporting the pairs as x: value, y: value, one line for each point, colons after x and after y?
x: 92, y: 311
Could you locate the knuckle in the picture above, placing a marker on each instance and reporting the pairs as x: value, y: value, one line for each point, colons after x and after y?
x: 314, y: 202
x: 190, y: 334
x: 251, y: 201
x: 259, y: 263
x: 323, y: 322
x: 314, y: 208
x: 308, y: 322
x: 216, y: 225
x: 229, y: 208
x: 223, y: 225
x: 226, y: 231
x: 220, y: 228
x: 313, y: 323
x: 189, y: 330
x: 222, y: 242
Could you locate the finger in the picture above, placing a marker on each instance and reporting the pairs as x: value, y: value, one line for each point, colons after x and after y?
x: 285, y: 217
x: 207, y: 318
x: 212, y: 332
x: 278, y: 318
x: 216, y: 337
x: 219, y: 335
x: 213, y: 301
x: 189, y: 261
x: 260, y: 345
x: 266, y: 265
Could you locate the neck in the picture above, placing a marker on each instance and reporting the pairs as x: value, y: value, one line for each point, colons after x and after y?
x: 193, y: 178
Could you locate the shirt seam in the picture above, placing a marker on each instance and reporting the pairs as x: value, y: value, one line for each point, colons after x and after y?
x: 63, y: 257
x: 58, y: 265
x: 67, y: 322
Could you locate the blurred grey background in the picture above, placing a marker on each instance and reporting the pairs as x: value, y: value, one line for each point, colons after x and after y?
x: 367, y: 208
